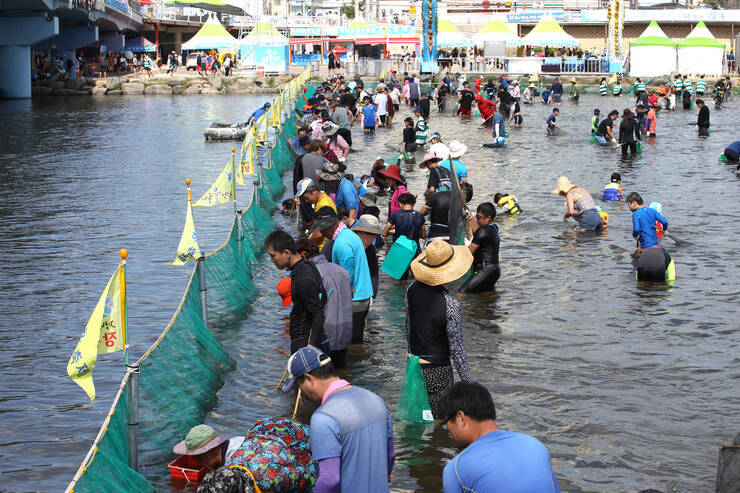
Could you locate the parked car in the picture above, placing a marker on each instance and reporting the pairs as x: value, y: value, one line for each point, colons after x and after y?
x: 192, y: 61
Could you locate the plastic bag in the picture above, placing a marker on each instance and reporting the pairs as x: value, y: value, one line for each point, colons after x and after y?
x: 413, y: 402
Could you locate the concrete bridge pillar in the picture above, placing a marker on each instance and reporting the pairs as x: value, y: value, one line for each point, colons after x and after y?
x: 178, y: 42
x: 17, y: 34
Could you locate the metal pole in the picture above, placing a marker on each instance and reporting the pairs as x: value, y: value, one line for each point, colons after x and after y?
x: 133, y: 416
x: 201, y: 265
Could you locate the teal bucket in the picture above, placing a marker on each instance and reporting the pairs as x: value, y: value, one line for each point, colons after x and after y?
x: 639, y: 147
x: 723, y: 159
x: 399, y: 257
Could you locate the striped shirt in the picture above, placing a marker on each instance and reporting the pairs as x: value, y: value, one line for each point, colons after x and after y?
x: 640, y: 87
x: 603, y: 89
x: 421, y: 132
x: 617, y: 89
x: 687, y: 85
x: 701, y: 86
x: 677, y: 84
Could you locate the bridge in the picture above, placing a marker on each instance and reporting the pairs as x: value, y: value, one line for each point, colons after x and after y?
x: 62, y: 26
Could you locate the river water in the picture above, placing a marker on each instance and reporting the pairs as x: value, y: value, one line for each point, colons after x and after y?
x: 628, y: 385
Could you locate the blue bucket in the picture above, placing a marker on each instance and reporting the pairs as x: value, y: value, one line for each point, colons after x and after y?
x: 399, y: 257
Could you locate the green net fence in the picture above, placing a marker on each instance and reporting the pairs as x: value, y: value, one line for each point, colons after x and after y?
x: 180, y: 373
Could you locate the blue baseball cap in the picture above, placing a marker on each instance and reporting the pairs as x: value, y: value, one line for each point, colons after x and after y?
x: 303, y: 361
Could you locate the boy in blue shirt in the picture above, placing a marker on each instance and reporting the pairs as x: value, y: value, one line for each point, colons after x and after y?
x: 613, y: 191
x: 369, y: 115
x: 643, y: 222
x: 545, y: 95
x: 551, y: 125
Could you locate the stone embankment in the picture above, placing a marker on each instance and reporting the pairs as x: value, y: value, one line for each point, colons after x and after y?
x: 138, y: 85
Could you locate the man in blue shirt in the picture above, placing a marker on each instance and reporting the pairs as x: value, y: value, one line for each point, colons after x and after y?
x: 494, y: 460
x: 457, y: 149
x: 348, y: 252
x: 645, y: 220
x: 347, y: 196
x: 351, y: 431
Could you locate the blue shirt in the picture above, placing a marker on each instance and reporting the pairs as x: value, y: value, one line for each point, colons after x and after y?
x: 557, y: 88
x: 368, y: 115
x: 347, y: 195
x: 643, y: 226
x: 460, y: 168
x: 407, y: 223
x: 499, y: 124
x: 349, y: 253
x: 551, y: 121
x: 735, y: 146
x: 500, y: 462
x: 354, y: 424
x: 545, y: 94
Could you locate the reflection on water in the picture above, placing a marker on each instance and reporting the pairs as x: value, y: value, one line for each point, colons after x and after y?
x: 615, y: 377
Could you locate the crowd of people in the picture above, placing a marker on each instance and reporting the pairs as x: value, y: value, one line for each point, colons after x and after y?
x: 333, y: 265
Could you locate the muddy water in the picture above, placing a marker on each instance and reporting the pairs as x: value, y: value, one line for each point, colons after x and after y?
x: 628, y: 385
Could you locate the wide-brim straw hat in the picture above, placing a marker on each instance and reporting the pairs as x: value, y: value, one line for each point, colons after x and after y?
x: 368, y: 224
x: 564, y: 185
x: 441, y: 263
x: 199, y: 440
x: 573, y: 81
x: 457, y: 149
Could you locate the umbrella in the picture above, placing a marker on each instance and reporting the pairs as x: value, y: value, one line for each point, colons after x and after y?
x: 340, y: 49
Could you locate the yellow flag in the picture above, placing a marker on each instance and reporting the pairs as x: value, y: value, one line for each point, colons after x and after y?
x: 613, y: 78
x: 104, y: 333
x: 534, y: 77
x: 188, y: 248
x: 261, y: 126
x: 222, y: 190
x: 246, y: 164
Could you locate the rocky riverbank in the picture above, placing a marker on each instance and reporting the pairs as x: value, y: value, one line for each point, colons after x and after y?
x: 137, y: 85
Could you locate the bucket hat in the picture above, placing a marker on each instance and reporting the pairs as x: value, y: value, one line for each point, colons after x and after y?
x: 369, y: 199
x: 199, y: 440
x: 330, y: 172
x: 367, y: 224
x: 564, y: 185
x: 441, y: 263
x: 393, y: 171
x: 305, y: 360
x: 329, y: 129
x: 429, y: 157
x: 457, y: 149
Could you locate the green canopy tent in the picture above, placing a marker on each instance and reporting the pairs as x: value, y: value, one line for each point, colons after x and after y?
x: 265, y: 47
x: 212, y: 36
x: 653, y: 53
x: 700, y: 52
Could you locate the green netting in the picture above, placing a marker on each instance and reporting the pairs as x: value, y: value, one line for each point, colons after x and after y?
x: 180, y: 374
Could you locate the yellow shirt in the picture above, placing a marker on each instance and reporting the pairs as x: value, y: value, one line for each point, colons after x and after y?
x: 324, y: 201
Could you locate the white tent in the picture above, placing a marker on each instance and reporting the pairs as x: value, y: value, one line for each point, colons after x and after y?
x: 548, y: 32
x: 212, y: 36
x: 448, y: 35
x: 700, y: 52
x: 652, y: 54
x: 495, y: 30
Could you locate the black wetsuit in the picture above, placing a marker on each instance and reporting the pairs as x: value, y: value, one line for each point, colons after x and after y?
x: 439, y: 217
x: 703, y: 120
x: 485, y: 264
x: 603, y: 125
x: 652, y: 264
x: 629, y: 134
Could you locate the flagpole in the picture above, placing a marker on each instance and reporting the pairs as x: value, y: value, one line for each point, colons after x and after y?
x: 190, y: 194
x: 233, y: 177
x: 124, y: 316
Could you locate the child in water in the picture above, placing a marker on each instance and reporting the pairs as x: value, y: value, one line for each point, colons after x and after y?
x: 644, y: 222
x: 595, y: 121
x: 507, y: 203
x: 369, y: 115
x: 551, y: 121
x: 613, y: 191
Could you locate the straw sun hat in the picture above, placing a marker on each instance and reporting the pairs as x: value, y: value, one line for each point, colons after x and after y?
x: 564, y: 185
x: 441, y: 263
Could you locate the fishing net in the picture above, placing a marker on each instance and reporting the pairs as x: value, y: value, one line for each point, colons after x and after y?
x: 413, y: 402
x: 180, y: 374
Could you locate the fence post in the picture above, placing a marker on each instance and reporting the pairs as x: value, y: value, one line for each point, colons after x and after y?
x: 133, y: 416
x: 257, y: 180
x: 201, y: 266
